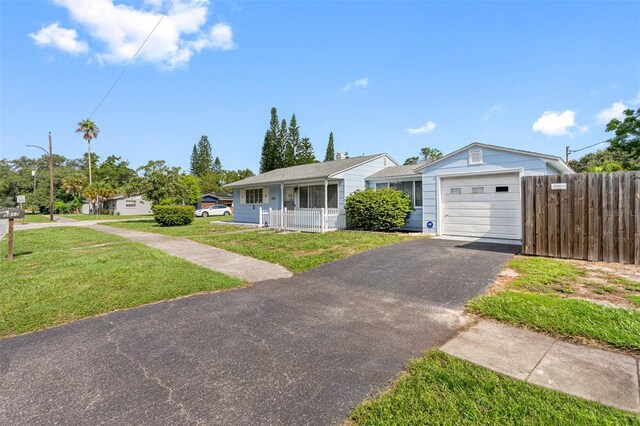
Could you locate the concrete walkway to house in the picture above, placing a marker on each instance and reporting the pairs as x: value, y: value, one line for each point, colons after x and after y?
x: 611, y: 378
x: 235, y: 265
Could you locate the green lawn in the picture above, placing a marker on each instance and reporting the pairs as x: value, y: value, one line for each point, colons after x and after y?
x: 199, y: 226
x: 83, y: 217
x: 556, y: 296
x: 443, y: 390
x: 63, y: 274
x: 34, y: 218
x: 300, y: 252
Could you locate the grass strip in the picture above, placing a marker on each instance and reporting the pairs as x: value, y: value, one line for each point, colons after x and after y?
x: 563, y: 317
x: 439, y: 389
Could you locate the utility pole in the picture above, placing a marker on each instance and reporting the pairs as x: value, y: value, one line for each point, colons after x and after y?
x: 566, y: 154
x: 50, y: 154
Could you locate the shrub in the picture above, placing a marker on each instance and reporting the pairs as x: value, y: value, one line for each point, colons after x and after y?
x: 173, y: 215
x: 380, y: 210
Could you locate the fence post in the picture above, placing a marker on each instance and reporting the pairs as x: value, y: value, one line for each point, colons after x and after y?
x: 285, y: 219
x: 260, y: 217
x: 323, y: 218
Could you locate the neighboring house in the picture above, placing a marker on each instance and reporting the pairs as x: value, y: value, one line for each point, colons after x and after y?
x: 123, y: 206
x: 213, y: 198
x: 308, y: 186
x: 472, y: 192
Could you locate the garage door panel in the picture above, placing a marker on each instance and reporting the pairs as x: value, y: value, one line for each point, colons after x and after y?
x: 489, y: 214
x: 493, y: 221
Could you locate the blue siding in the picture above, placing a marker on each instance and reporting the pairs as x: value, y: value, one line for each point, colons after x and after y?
x: 492, y: 159
x: 354, y: 178
x: 248, y: 213
x: 414, y: 222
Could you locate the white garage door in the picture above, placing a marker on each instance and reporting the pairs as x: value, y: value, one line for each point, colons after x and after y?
x: 481, y: 206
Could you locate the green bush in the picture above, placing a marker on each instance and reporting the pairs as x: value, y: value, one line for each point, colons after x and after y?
x: 380, y: 210
x: 173, y: 215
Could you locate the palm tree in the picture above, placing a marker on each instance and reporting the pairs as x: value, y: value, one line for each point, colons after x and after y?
x: 90, y: 131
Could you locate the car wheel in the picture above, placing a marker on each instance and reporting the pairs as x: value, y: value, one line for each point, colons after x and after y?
x: 205, y: 214
x: 226, y: 214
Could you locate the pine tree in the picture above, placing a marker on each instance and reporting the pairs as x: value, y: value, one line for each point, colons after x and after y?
x: 270, y: 158
x: 194, y: 160
x: 205, y: 159
x: 330, y: 155
x: 217, y: 165
x: 305, y: 153
x: 282, y: 141
x: 293, y: 143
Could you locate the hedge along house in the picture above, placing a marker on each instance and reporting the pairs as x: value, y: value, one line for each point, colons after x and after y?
x: 304, y: 188
x: 474, y: 192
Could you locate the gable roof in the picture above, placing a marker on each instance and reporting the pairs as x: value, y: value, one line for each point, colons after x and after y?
x: 307, y: 171
x: 220, y: 196
x: 398, y: 171
x: 555, y: 161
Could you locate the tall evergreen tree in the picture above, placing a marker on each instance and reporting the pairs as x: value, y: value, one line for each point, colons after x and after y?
x: 305, y: 153
x: 330, y: 154
x: 205, y: 159
x: 194, y: 160
x: 281, y: 145
x: 272, y: 158
x: 217, y: 165
x: 293, y: 143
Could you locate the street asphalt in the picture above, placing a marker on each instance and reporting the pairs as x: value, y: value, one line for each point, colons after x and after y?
x: 295, y: 351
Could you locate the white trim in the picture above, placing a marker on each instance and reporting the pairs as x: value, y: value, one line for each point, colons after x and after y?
x: 482, y: 172
x: 439, y: 207
x: 399, y: 177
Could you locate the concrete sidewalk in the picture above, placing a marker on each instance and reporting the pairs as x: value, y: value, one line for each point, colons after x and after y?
x: 611, y: 378
x: 235, y: 265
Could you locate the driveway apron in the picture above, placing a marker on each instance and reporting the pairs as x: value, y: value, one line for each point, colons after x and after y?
x: 302, y: 350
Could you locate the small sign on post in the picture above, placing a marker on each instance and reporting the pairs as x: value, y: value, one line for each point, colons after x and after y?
x: 558, y: 186
x: 11, y: 214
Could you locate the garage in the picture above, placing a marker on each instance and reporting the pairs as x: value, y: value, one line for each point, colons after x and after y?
x: 481, y: 206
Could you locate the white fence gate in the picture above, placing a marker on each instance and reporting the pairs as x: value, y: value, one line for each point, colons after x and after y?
x: 304, y: 220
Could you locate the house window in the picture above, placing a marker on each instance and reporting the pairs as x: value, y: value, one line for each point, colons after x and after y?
x: 130, y: 204
x: 477, y: 190
x: 502, y: 189
x: 455, y: 191
x: 312, y: 197
x: 475, y: 156
x: 417, y: 193
x: 254, y: 196
x: 413, y: 189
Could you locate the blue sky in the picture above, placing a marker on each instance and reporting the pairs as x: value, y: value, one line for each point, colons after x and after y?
x: 383, y: 76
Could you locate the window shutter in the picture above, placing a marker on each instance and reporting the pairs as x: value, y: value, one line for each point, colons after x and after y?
x: 243, y: 198
x: 265, y: 195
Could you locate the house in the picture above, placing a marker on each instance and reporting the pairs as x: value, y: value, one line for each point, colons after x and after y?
x: 473, y: 192
x: 304, y: 187
x: 122, y: 205
x: 213, y: 198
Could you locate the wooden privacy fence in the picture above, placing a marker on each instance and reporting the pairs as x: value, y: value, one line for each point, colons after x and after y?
x: 589, y: 216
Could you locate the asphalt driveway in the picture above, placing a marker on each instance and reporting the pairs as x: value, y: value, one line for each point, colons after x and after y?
x: 295, y: 351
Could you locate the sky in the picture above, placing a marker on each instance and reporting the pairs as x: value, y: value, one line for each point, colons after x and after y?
x: 383, y: 76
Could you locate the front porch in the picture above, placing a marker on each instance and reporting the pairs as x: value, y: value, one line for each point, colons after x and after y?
x: 303, y: 220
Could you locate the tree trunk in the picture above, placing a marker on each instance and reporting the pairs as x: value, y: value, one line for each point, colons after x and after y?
x: 89, y: 143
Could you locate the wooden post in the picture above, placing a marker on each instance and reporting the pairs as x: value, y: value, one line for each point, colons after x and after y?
x: 51, y: 178
x: 10, y: 241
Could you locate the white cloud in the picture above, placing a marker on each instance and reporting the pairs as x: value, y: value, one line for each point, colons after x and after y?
x: 496, y: 109
x: 614, y: 111
x: 120, y: 29
x: 552, y: 123
x: 428, y: 127
x: 59, y: 38
x: 636, y: 100
x: 361, y: 83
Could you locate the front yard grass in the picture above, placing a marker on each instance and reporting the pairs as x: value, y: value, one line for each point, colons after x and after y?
x: 577, y: 300
x: 300, y: 252
x: 199, y: 227
x: 64, y: 274
x: 34, y: 218
x: 441, y: 389
x: 84, y: 217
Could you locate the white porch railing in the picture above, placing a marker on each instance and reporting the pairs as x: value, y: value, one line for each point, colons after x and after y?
x: 304, y: 220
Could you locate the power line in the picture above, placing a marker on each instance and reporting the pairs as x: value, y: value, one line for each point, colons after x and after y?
x: 78, y: 42
x: 104, y: 98
x: 571, y: 151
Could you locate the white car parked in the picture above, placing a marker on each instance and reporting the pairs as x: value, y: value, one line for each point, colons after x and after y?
x: 215, y: 210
